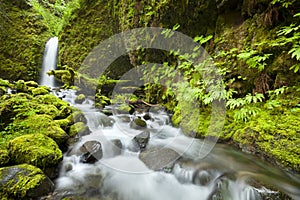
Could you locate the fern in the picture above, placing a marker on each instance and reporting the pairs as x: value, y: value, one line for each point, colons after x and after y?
x: 248, y: 99
x: 245, y: 113
x: 253, y: 59
x: 291, y: 35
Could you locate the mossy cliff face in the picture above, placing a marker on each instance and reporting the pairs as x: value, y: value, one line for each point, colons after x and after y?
x: 23, y: 37
x: 91, y: 25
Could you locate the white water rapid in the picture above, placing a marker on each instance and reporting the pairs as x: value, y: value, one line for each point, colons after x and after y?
x: 120, y: 173
x: 49, y: 62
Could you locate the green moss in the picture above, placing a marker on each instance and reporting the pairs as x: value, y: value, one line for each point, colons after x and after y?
x: 79, y: 128
x: 20, y: 181
x: 63, y: 123
x: 36, y: 149
x: 39, y: 91
x: 40, y: 124
x: 273, y: 133
x: 31, y: 84
x: 22, y: 26
x: 5, y: 83
x: 77, y: 116
x: 80, y: 99
x: 4, y: 157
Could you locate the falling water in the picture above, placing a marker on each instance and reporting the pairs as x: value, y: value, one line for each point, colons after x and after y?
x: 49, y: 62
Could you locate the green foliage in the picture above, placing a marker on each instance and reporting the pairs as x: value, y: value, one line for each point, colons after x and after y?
x: 290, y: 35
x: 248, y: 99
x: 245, y: 107
x: 284, y: 3
x: 254, y: 59
x: 23, y: 38
x: 56, y: 15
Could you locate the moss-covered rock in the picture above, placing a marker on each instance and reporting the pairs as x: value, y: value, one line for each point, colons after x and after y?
x: 79, y: 129
x: 80, y: 99
x: 2, y: 90
x: 77, y: 116
x: 36, y: 149
x: 63, y: 123
x: 23, y: 181
x: 4, y: 83
x: 39, y: 91
x: 138, y: 123
x: 31, y: 84
x: 4, y: 157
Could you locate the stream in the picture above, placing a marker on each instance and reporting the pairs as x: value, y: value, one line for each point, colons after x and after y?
x: 159, y: 162
x: 141, y: 156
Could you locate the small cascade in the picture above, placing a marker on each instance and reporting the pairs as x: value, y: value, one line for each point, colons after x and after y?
x: 121, y: 171
x: 49, y: 62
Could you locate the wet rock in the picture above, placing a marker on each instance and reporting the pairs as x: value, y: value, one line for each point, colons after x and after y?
x: 117, y: 146
x: 106, y: 121
x: 80, y: 99
x: 147, y: 116
x: 36, y: 149
x: 159, y: 158
x: 77, y: 116
x: 23, y: 181
x: 142, y: 139
x: 138, y: 123
x: 202, y: 177
x: 124, y: 118
x: 79, y: 129
x: 92, y: 152
x: 107, y: 112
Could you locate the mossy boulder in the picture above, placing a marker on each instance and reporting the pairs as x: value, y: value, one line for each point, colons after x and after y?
x: 138, y: 123
x: 79, y: 129
x: 80, y: 99
x: 77, y: 116
x: 31, y: 84
x: 2, y: 90
x: 4, y: 157
x: 36, y: 149
x: 40, y: 124
x: 5, y: 83
x: 20, y: 86
x: 39, y: 91
x: 63, y: 123
x: 24, y: 182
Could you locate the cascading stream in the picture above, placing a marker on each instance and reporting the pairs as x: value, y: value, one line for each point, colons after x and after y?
x: 49, y: 62
x: 122, y: 174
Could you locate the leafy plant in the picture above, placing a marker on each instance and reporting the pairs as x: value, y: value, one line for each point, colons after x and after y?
x: 55, y: 15
x: 248, y: 99
x: 254, y: 59
x: 291, y: 35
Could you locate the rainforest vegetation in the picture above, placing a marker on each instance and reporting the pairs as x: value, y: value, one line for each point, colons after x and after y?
x: 254, y: 46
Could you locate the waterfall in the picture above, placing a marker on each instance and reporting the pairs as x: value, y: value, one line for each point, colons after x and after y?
x: 49, y: 62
